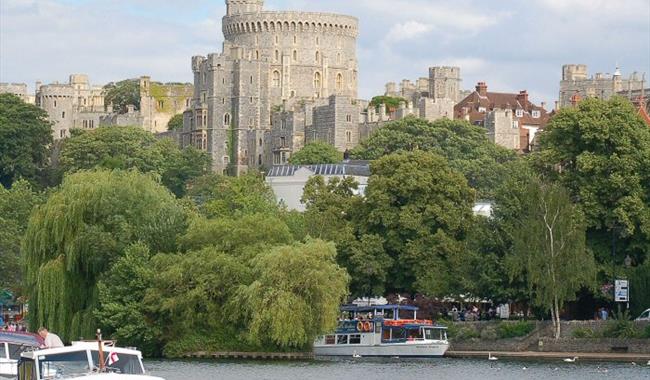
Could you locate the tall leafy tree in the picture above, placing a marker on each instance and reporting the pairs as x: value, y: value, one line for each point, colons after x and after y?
x: 122, y: 94
x: 25, y: 138
x: 86, y: 226
x: 133, y: 147
x: 16, y: 205
x: 602, y: 149
x: 295, y: 295
x: 465, y: 146
x: 316, y: 153
x: 175, y: 123
x: 422, y: 209
x: 549, y: 249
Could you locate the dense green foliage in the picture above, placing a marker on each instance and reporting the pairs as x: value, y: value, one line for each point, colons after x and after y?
x: 25, y: 136
x: 316, y: 153
x: 391, y: 102
x: 123, y: 94
x: 603, y: 148
x: 549, y: 249
x: 16, y: 205
x: 82, y: 229
x: 133, y: 147
x: 514, y: 330
x: 465, y: 146
x: 175, y: 123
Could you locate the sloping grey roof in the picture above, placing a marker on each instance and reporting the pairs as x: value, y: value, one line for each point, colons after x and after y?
x: 356, y: 168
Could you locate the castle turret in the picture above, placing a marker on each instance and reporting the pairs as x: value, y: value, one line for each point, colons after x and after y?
x: 238, y: 7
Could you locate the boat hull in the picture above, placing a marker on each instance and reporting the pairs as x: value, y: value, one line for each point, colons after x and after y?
x: 415, y: 350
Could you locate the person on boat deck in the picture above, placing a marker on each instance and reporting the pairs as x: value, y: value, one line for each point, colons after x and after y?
x: 50, y: 340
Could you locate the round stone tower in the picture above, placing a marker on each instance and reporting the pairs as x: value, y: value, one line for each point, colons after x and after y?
x: 238, y: 7
x: 310, y: 55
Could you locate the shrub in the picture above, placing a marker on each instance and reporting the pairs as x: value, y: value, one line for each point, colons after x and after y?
x: 621, y: 327
x: 583, y: 332
x: 514, y: 330
x: 466, y: 333
x: 646, y: 332
x: 489, y: 333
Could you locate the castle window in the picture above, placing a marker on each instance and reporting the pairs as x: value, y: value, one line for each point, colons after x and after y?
x: 55, y: 103
x: 293, y: 93
x: 317, y: 56
x: 317, y: 80
x: 223, y: 100
x: 260, y: 142
x: 223, y: 80
x: 276, y: 78
x: 295, y: 55
x: 339, y: 82
x: 295, y: 39
x: 277, y: 40
x: 338, y: 58
x: 62, y: 133
x: 537, y: 114
x: 348, y: 118
x: 259, y: 160
x: 515, y: 124
x: 251, y: 100
x: 187, y: 103
x: 85, y: 124
x: 519, y: 113
x: 257, y: 55
x: 277, y: 55
x: 481, y: 109
x: 251, y: 122
x: 63, y: 115
x: 225, y: 160
x: 251, y: 79
x: 283, y: 142
x: 348, y: 136
x: 226, y: 119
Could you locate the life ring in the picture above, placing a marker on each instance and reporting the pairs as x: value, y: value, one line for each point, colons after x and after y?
x: 360, y: 326
x: 367, y: 327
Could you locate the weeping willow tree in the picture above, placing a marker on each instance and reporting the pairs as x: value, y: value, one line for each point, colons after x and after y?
x: 78, y: 234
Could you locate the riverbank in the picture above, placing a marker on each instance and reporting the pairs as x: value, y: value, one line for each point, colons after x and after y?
x: 641, y: 359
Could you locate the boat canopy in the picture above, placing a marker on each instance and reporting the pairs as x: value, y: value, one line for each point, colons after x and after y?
x: 22, y: 339
x: 372, y: 308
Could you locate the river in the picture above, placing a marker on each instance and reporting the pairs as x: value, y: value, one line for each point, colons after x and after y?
x: 395, y: 369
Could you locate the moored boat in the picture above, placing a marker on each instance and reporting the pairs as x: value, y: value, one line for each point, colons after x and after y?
x: 83, y: 361
x: 12, y: 345
x: 380, y: 331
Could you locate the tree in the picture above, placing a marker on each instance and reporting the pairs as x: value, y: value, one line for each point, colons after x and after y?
x: 465, y: 146
x: 225, y: 196
x: 422, y: 209
x: 123, y: 94
x: 176, y: 123
x: 603, y: 151
x: 549, y: 249
x: 316, y: 153
x: 295, y: 295
x: 86, y: 226
x: 391, y: 102
x: 16, y: 204
x: 133, y: 147
x: 121, y: 312
x: 25, y: 137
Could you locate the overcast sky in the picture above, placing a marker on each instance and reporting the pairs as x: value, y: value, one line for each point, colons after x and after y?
x: 510, y: 44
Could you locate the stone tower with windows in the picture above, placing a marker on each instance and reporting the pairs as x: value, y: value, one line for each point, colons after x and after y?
x: 445, y: 83
x: 270, y: 61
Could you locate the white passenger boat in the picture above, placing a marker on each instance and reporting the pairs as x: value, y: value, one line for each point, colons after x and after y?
x: 371, y: 331
x: 83, y: 361
x: 12, y: 344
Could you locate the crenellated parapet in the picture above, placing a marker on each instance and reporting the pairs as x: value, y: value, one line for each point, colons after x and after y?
x: 297, y: 22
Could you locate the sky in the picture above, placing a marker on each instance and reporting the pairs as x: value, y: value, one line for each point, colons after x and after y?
x: 510, y: 44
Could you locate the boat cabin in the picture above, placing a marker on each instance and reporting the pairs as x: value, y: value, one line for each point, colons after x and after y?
x: 12, y: 345
x: 80, y: 359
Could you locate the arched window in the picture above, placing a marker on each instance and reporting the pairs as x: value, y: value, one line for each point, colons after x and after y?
x: 317, y: 81
x: 276, y: 78
x: 226, y: 119
x: 295, y: 39
x: 257, y: 55
x: 339, y: 82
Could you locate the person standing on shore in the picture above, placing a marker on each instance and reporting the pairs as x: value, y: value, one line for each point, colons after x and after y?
x: 50, y: 340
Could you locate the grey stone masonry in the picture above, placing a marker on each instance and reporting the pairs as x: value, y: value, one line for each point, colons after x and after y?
x: 576, y: 81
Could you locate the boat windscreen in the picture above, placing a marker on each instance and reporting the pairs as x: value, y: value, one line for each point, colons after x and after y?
x: 64, y: 365
x: 120, y: 363
x: 26, y: 339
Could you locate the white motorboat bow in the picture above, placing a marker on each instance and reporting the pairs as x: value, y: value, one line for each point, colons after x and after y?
x: 83, y: 361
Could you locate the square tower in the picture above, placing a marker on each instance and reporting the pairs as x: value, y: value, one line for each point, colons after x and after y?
x: 444, y: 82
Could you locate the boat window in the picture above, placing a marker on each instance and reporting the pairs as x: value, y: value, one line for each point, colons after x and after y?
x: 355, y: 339
x: 15, y: 350
x: 330, y: 339
x: 3, y: 355
x: 125, y: 364
x: 64, y: 365
x: 26, y: 370
x: 341, y: 339
x: 428, y: 334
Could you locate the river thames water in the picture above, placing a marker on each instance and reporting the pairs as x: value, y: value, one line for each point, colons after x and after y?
x: 395, y: 369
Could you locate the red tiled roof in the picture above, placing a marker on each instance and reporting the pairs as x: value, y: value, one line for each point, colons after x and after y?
x: 644, y: 114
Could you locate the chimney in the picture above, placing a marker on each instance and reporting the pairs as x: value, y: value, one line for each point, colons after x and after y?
x: 522, y: 98
x: 544, y: 105
x: 557, y: 105
x: 481, y: 88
